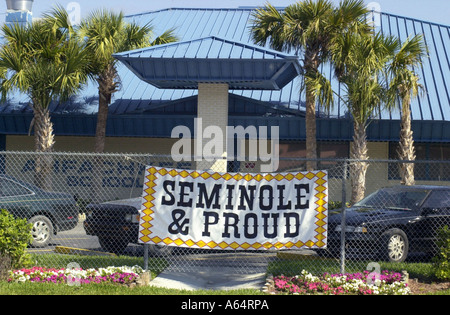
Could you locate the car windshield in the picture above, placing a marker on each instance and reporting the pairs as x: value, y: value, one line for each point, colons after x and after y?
x: 394, y: 199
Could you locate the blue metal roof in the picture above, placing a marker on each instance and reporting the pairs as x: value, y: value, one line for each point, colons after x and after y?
x: 183, y: 65
x: 430, y: 113
x: 434, y: 74
x: 235, y: 23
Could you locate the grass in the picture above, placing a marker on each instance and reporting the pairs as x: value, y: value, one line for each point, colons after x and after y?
x: 443, y: 292
x: 105, y: 289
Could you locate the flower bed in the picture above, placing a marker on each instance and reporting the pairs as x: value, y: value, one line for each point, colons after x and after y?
x: 385, y: 283
x: 72, y: 276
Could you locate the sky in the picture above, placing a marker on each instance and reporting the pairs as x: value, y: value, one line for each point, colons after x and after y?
x: 437, y: 11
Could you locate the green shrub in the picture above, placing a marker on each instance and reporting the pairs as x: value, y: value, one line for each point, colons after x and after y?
x: 332, y: 205
x: 5, y: 267
x: 82, y: 204
x: 441, y: 262
x: 15, y: 235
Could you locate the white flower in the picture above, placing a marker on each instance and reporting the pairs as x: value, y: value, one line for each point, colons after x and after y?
x: 21, y: 279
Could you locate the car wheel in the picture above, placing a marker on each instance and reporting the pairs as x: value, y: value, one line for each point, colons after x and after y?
x: 396, y: 245
x: 41, y: 231
x: 113, y: 245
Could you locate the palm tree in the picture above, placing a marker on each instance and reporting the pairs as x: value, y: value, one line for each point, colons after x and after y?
x: 308, y: 28
x: 360, y: 61
x: 405, y: 84
x: 44, y: 61
x: 106, y: 33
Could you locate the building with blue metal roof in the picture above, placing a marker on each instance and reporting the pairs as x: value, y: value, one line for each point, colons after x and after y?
x: 151, y: 103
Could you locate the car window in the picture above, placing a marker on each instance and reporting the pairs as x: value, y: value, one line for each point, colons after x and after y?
x: 438, y: 199
x: 394, y: 199
x: 9, y: 188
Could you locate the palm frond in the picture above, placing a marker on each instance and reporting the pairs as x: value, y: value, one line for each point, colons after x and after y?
x: 165, y: 38
x: 268, y: 26
x: 321, y: 88
x: 58, y: 21
x: 43, y: 60
x: 404, y: 79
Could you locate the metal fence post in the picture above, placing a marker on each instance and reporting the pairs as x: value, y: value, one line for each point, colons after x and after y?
x: 343, y: 219
x: 146, y: 247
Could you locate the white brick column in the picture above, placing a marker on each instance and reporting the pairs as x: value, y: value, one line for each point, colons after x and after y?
x: 212, y: 112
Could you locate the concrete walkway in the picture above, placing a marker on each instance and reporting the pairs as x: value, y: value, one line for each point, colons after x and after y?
x: 210, y: 278
x: 215, y: 272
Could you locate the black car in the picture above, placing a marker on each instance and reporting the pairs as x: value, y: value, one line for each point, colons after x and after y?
x: 392, y: 222
x: 116, y: 224
x: 48, y: 212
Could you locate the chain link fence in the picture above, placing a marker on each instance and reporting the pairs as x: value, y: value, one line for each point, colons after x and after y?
x: 84, y: 209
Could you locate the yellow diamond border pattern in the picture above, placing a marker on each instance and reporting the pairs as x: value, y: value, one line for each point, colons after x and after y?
x: 321, y: 190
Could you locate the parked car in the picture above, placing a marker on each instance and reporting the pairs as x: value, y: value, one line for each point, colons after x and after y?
x: 48, y: 212
x: 116, y: 224
x: 392, y: 222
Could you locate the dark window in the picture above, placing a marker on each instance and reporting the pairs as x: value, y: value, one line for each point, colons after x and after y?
x: 438, y: 199
x: 394, y: 199
x: 422, y: 170
x: 179, y: 165
x: 290, y: 151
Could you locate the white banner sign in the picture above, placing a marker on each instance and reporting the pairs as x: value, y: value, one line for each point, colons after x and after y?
x: 234, y: 211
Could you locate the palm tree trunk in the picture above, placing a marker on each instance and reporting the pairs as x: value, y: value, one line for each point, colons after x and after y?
x: 100, y: 138
x: 358, y: 168
x: 310, y: 118
x: 44, y: 141
x: 106, y: 87
x: 311, y: 66
x: 406, y: 150
x: 102, y: 118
